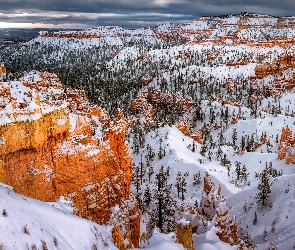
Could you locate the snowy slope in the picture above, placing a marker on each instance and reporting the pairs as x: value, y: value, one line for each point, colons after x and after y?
x: 180, y: 158
x: 210, y: 60
x: 26, y: 223
x: 275, y: 223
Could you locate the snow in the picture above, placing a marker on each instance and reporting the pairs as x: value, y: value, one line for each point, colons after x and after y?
x: 278, y: 219
x: 183, y: 222
x: 62, y: 121
x: 210, y: 240
x: 26, y: 222
x: 21, y: 93
x: 179, y: 156
x: 161, y: 241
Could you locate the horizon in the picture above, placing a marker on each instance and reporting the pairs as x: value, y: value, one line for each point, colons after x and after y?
x: 66, y: 26
x: 126, y: 13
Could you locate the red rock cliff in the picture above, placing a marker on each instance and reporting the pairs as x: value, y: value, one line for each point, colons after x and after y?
x: 287, y: 145
x: 73, y: 151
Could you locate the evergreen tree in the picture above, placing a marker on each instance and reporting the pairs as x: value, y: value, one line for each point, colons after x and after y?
x: 197, y: 178
x: 244, y: 174
x: 203, y: 149
x: 234, y: 136
x: 147, y: 198
x: 150, y: 171
x: 255, y: 220
x: 243, y: 143
x: 264, y: 188
x: 150, y: 153
x: 136, y: 178
x: 165, y: 203
x: 194, y: 146
x: 161, y: 153
x: 183, y: 189
x: 238, y: 170
x: 142, y: 169
x: 224, y: 161
x: 178, y: 182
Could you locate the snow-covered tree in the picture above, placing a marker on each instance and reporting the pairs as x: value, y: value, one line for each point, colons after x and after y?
x: 164, y: 214
x: 264, y: 188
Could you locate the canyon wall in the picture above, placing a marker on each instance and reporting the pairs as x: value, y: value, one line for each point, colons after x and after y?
x: 71, y: 150
x: 286, y: 146
x: 2, y: 71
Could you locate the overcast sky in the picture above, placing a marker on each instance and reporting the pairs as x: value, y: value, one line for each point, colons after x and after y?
x: 127, y: 13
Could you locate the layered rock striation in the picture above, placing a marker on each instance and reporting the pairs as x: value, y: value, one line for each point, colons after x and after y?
x: 286, y: 146
x: 2, y: 71
x: 53, y: 143
x: 213, y: 211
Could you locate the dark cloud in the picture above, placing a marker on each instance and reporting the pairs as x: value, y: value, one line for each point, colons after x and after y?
x: 131, y: 13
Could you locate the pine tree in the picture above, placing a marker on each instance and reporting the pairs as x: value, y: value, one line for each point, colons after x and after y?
x: 219, y: 153
x: 264, y: 188
x: 142, y: 169
x: 255, y: 220
x: 150, y: 171
x: 183, y: 189
x: 150, y: 153
x: 203, y: 150
x: 136, y: 178
x: 238, y: 170
x: 194, y: 146
x: 243, y: 143
x: 165, y: 203
x: 234, y: 136
x: 147, y: 198
x: 224, y: 161
x: 197, y: 178
x: 244, y: 174
x: 178, y: 183
x: 161, y: 150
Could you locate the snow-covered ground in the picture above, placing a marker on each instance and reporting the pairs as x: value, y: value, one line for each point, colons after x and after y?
x: 275, y: 222
x: 214, y: 53
x: 26, y: 223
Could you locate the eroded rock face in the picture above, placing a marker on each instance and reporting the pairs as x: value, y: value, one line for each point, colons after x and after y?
x: 148, y: 100
x: 60, y: 146
x: 2, y: 71
x: 212, y: 211
x: 213, y: 207
x: 184, y: 234
x: 287, y: 145
x: 281, y: 70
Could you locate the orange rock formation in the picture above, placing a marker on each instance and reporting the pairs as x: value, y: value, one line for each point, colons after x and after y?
x: 287, y: 145
x: 77, y: 35
x: 59, y: 154
x: 149, y: 100
x: 213, y: 209
x: 184, y: 234
x: 2, y: 70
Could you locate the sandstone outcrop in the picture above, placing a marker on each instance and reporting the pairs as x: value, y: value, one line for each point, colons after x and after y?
x: 77, y: 35
x: 281, y: 70
x: 286, y: 146
x: 2, y: 71
x: 159, y: 99
x: 212, y: 210
x: 213, y: 207
x: 184, y: 234
x: 52, y: 144
x: 118, y: 238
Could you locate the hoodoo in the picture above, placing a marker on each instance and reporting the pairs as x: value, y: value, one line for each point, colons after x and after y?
x: 53, y: 143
